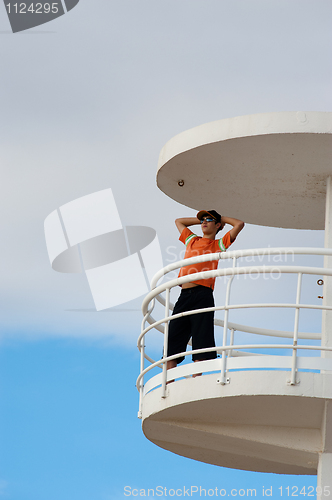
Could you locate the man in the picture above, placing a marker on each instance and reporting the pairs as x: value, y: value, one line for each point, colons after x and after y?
x: 199, y: 293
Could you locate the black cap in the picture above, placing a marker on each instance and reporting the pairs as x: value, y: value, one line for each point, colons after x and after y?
x: 212, y: 213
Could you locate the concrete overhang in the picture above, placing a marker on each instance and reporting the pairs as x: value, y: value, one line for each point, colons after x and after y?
x: 257, y: 422
x: 268, y: 169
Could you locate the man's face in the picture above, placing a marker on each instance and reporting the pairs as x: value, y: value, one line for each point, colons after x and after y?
x: 209, y: 225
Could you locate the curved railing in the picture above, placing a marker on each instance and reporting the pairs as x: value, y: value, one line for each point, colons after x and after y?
x: 232, y: 358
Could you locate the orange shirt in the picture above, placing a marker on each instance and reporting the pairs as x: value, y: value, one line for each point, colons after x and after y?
x: 199, y: 246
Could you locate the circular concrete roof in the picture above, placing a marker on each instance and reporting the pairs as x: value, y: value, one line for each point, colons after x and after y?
x: 268, y: 169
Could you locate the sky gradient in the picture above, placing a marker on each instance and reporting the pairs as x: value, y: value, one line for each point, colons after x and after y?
x: 88, y: 101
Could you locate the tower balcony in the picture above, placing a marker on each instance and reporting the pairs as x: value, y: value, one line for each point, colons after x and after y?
x: 264, y: 404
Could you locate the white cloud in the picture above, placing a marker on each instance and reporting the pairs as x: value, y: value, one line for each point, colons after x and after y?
x: 83, y: 113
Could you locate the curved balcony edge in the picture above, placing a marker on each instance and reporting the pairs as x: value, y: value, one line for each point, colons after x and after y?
x: 257, y: 422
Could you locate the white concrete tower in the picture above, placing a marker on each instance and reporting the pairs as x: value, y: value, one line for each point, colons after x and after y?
x: 268, y: 413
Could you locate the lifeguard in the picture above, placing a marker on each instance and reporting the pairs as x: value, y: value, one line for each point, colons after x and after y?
x: 198, y: 294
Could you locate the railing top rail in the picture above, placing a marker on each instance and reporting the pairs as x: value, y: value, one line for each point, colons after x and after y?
x: 232, y: 271
x: 257, y: 252
x: 257, y: 331
x: 243, y: 328
x: 230, y: 347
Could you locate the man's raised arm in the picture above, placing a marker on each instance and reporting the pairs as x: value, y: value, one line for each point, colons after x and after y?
x: 185, y: 222
x: 237, y: 224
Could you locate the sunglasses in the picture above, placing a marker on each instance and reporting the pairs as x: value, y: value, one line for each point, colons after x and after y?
x: 207, y: 219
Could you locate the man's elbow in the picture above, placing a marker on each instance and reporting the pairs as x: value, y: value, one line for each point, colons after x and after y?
x: 179, y: 224
x: 240, y: 226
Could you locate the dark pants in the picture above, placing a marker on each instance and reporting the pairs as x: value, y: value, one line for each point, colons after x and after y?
x: 198, y: 326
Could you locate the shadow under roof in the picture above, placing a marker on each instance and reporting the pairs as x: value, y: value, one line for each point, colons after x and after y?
x: 268, y: 169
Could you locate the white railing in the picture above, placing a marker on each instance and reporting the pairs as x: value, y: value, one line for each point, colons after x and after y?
x: 233, y: 359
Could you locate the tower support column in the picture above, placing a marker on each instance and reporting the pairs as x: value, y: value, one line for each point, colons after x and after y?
x: 327, y: 315
x: 324, y: 484
x: 324, y: 479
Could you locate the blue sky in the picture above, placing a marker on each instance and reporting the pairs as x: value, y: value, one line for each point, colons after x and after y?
x: 88, y: 101
x: 69, y: 429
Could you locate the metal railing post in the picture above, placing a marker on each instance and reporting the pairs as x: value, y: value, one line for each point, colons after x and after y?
x: 141, y: 387
x: 231, y: 342
x: 164, y: 375
x: 223, y: 379
x: 229, y: 352
x: 142, y: 357
x: 296, y: 330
